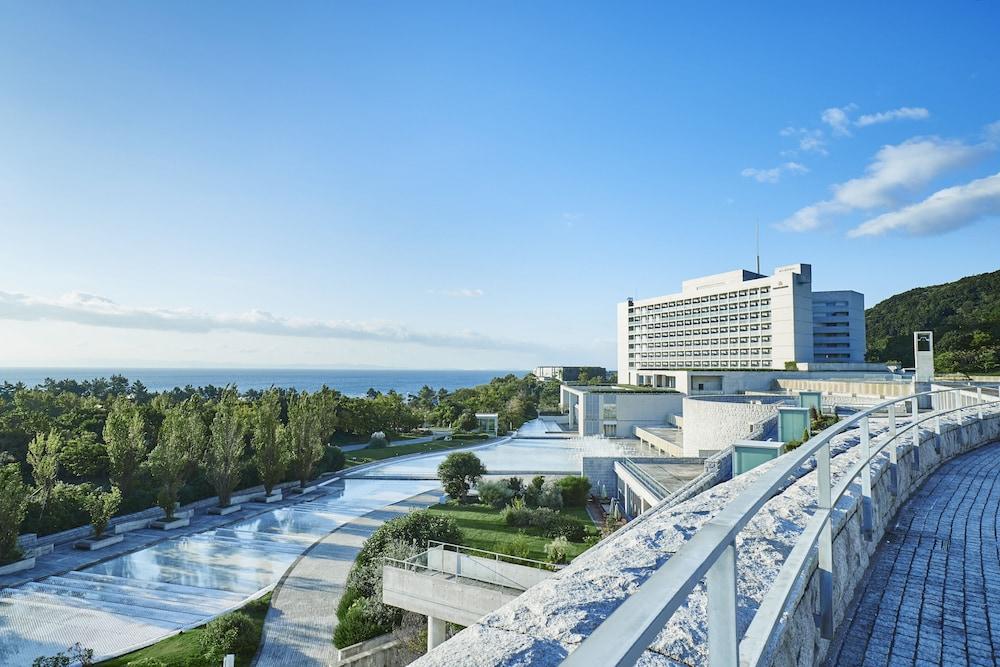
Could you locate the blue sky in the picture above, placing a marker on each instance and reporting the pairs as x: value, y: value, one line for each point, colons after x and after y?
x: 468, y: 184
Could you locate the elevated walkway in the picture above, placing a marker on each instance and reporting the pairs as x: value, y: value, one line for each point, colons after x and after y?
x: 455, y: 584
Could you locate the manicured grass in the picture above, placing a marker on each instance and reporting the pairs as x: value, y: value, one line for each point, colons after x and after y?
x: 185, y: 648
x: 483, y: 528
x: 360, y: 456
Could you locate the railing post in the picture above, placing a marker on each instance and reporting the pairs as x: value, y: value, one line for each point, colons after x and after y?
x: 866, y: 481
x: 723, y: 643
x: 823, y: 492
x: 979, y: 402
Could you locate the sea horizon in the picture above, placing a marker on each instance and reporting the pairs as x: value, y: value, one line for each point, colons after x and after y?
x: 349, y: 381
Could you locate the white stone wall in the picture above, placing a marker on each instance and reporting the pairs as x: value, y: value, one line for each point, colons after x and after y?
x: 712, y: 423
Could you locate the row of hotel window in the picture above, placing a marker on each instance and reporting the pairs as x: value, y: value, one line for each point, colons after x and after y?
x: 703, y: 320
x: 699, y: 353
x: 696, y: 311
x: 704, y: 341
x: 723, y: 296
x: 723, y: 363
x: 699, y: 332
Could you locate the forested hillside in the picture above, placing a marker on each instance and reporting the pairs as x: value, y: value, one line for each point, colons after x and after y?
x: 964, y: 316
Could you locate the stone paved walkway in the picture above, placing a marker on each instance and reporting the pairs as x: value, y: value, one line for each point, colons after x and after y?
x: 298, y: 628
x: 933, y: 594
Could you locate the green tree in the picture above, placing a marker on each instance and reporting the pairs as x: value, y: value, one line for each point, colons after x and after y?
x: 224, y: 460
x: 181, y: 434
x: 270, y: 447
x: 302, y: 436
x: 102, y: 505
x: 125, y: 441
x: 459, y: 471
x: 43, y: 457
x: 13, y: 506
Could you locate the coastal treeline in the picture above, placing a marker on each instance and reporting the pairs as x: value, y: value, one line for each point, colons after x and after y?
x: 68, y: 447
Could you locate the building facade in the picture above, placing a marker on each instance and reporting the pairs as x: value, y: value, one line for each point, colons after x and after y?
x: 569, y: 373
x: 738, y: 321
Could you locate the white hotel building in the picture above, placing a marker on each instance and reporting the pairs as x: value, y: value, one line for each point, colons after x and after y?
x: 738, y: 321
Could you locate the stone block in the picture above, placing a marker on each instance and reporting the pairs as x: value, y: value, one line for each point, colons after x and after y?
x: 18, y: 566
x: 223, y: 511
x: 177, y: 522
x: 94, y: 543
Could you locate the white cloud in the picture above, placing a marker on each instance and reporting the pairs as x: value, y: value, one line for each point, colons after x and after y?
x: 895, y: 171
x: 810, y: 141
x: 943, y: 211
x: 838, y: 120
x: 773, y: 175
x: 902, y: 113
x: 98, y: 311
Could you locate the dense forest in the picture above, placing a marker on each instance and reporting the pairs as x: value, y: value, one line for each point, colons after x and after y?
x: 964, y: 316
x: 67, y: 447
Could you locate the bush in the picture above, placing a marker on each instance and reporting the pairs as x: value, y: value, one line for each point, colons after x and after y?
x: 518, y: 546
x: 332, y: 461
x: 571, y: 529
x: 147, y: 662
x: 543, y: 518
x: 574, y: 490
x: 350, y: 596
x: 378, y: 440
x: 67, y: 508
x: 555, y: 551
x: 416, y: 527
x: 459, y: 471
x: 356, y: 627
x: 13, y: 505
x: 516, y: 485
x: 516, y: 514
x: 495, y: 494
x: 550, y: 495
x: 231, y: 633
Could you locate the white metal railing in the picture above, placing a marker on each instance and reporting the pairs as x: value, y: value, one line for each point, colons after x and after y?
x: 710, y: 554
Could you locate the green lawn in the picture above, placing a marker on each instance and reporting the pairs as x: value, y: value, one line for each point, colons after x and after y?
x: 361, y: 456
x: 482, y: 528
x: 185, y: 649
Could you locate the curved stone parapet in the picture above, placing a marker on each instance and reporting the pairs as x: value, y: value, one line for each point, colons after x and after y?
x: 548, y: 621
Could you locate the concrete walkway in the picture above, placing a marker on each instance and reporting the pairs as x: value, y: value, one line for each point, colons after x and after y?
x: 933, y: 593
x: 298, y: 629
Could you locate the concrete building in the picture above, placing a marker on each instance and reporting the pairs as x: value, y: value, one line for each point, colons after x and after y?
x: 568, y: 373
x: 739, y: 320
x: 614, y: 411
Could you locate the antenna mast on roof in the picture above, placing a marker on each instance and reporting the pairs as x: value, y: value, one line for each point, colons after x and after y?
x: 757, y: 238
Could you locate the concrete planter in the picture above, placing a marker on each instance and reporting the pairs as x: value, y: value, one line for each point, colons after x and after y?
x: 95, y: 543
x: 273, y: 498
x: 223, y: 511
x: 298, y: 490
x: 177, y: 522
x: 18, y: 565
x: 126, y: 526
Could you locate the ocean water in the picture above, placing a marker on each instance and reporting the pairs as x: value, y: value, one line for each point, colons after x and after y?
x: 349, y: 382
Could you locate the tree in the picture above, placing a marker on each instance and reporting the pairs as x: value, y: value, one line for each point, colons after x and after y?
x: 466, y: 422
x: 224, y: 460
x: 169, y: 462
x: 13, y: 506
x: 459, y: 471
x: 271, y: 454
x: 43, y: 457
x: 102, y: 505
x: 125, y: 440
x: 303, y: 436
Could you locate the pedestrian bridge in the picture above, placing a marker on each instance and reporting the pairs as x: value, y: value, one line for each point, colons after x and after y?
x: 766, y: 569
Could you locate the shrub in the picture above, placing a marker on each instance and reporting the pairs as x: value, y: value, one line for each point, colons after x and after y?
x: 333, y: 459
x: 518, y: 546
x: 555, y: 551
x: 67, y: 508
x: 378, y: 440
x: 102, y: 506
x: 543, y: 518
x: 147, y: 662
x: 571, y: 529
x: 356, y: 627
x: 574, y: 490
x: 74, y: 655
x: 416, y: 527
x: 516, y: 514
x: 516, y: 485
x: 495, y: 494
x: 459, y: 471
x: 350, y: 596
x: 550, y: 495
x: 231, y: 633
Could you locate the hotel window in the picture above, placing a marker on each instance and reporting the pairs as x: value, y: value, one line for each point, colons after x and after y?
x: 765, y: 326
x: 766, y: 350
x: 753, y: 291
x: 765, y: 290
